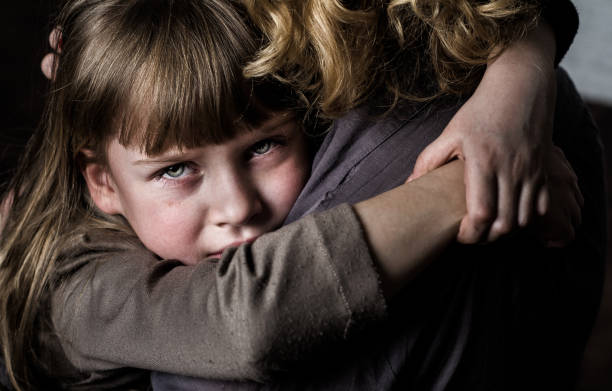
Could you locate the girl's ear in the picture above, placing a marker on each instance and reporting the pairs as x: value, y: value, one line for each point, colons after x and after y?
x: 100, y: 184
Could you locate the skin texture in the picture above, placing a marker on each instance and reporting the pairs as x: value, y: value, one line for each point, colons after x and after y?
x: 408, y: 226
x: 191, y: 204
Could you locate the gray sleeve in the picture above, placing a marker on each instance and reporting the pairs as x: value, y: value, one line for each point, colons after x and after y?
x: 262, y: 305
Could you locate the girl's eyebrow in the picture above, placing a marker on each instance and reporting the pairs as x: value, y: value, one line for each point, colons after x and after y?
x: 173, y: 157
x: 169, y: 158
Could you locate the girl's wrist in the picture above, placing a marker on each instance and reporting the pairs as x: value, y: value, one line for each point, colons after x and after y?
x: 408, y: 226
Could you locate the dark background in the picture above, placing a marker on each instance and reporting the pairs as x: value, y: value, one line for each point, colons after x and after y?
x: 25, y: 29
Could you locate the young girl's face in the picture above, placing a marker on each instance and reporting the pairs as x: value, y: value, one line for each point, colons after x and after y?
x: 191, y: 204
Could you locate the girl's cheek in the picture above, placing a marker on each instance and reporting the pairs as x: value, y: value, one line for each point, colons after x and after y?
x: 170, y: 239
x: 168, y: 227
x: 288, y: 183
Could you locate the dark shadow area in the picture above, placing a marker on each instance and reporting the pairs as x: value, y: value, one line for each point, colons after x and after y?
x: 26, y: 26
x: 597, y: 364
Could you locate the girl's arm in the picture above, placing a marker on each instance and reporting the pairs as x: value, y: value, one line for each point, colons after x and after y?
x: 261, y: 307
x: 409, y: 225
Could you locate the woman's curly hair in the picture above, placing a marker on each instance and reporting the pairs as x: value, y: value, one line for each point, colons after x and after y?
x: 339, y: 53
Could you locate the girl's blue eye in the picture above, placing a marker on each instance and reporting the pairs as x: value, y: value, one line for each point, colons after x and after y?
x: 262, y: 147
x: 175, y: 171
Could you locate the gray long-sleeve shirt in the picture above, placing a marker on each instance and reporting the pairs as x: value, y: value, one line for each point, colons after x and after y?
x: 116, y: 305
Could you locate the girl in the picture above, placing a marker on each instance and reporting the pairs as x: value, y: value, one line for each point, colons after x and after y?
x: 78, y: 283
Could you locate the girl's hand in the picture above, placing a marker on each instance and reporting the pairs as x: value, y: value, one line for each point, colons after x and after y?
x: 503, y: 132
x: 48, y: 61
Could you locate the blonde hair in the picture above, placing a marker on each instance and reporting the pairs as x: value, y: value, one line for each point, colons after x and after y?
x: 338, y: 56
x: 152, y: 73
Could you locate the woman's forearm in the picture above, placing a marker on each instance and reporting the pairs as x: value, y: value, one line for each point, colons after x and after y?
x: 537, y: 48
x: 408, y: 226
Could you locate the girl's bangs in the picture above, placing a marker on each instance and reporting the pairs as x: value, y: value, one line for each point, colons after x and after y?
x: 188, y: 89
x: 172, y: 104
x: 157, y: 74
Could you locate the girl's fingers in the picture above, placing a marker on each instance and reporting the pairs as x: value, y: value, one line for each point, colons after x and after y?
x: 55, y: 40
x: 49, y: 60
x: 436, y: 154
x: 46, y: 65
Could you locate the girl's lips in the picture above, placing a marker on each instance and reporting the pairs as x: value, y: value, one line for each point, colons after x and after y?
x: 218, y: 254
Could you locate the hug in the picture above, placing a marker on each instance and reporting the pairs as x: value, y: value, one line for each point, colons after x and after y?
x: 220, y: 196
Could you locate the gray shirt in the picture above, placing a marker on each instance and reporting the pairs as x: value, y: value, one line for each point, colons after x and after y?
x: 250, y: 314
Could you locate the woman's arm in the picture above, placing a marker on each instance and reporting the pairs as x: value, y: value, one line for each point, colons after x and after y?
x: 503, y: 132
x: 262, y: 306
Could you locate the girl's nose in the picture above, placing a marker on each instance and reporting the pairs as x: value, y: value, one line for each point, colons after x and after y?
x: 237, y: 201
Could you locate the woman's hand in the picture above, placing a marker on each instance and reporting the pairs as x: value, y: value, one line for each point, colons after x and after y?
x: 503, y: 132
x: 49, y: 60
x: 557, y: 227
